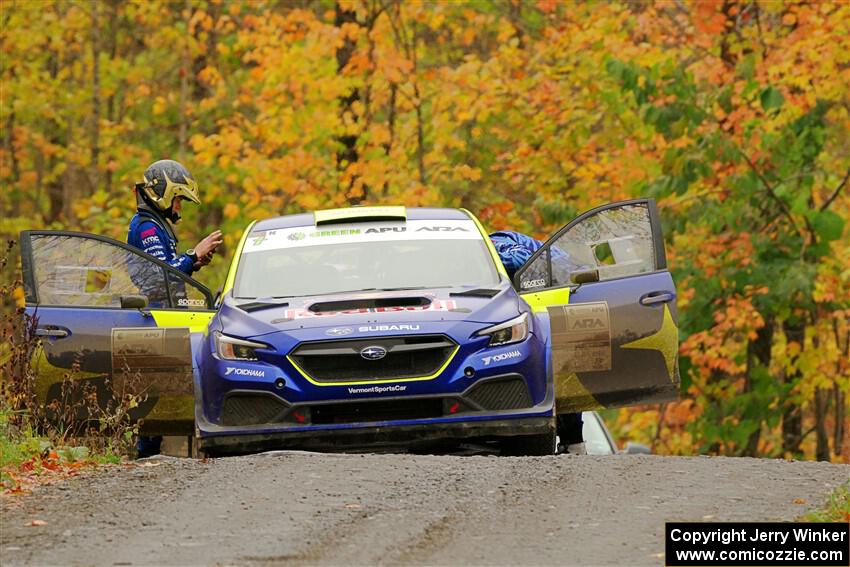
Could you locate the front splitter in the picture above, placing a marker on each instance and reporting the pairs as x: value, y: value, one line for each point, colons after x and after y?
x: 376, y: 436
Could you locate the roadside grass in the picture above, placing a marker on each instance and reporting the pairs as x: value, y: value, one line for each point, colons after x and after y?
x: 42, y: 440
x: 28, y: 459
x: 836, y: 509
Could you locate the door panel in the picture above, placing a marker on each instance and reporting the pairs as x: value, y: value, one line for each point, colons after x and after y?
x: 75, y: 285
x: 614, y: 337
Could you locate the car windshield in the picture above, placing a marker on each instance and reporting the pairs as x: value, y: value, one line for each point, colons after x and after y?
x: 380, y: 256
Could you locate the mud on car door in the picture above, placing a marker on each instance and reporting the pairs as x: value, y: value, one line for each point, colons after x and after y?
x: 117, y: 318
x: 603, y: 281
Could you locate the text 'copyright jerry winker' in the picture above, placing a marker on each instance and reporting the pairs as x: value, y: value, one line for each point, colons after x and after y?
x: 693, y: 544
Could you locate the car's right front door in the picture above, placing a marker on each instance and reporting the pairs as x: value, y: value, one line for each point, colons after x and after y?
x: 603, y: 282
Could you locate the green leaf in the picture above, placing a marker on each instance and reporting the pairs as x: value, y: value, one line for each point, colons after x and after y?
x: 771, y: 99
x: 828, y: 225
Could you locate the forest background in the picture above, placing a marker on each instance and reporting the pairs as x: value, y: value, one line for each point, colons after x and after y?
x: 734, y: 115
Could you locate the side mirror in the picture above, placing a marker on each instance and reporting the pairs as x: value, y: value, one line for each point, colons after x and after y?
x: 134, y: 302
x: 584, y: 276
x: 637, y: 449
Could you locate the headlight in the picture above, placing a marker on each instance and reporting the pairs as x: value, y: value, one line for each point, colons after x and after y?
x: 512, y: 331
x: 231, y: 348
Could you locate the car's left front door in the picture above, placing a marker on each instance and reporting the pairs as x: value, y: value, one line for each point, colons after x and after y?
x: 117, y: 318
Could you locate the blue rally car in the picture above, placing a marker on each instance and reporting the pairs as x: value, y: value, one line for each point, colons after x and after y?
x: 366, y: 326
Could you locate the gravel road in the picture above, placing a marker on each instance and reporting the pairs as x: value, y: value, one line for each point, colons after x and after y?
x: 307, y: 508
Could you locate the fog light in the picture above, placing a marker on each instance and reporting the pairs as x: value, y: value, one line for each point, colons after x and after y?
x: 469, y: 371
x: 280, y: 383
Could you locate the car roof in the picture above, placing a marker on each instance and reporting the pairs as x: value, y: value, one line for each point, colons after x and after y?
x: 307, y: 219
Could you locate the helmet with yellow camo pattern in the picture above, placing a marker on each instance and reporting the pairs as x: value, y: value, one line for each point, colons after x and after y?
x: 165, y: 180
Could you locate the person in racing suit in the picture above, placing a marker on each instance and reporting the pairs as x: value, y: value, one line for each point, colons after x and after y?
x: 514, y: 250
x: 159, y: 199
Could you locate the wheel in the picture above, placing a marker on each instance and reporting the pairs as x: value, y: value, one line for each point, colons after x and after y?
x: 529, y: 445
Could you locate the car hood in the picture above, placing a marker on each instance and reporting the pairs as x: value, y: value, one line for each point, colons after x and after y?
x: 250, y: 318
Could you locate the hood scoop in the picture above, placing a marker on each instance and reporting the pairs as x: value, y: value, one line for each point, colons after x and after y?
x: 369, y: 303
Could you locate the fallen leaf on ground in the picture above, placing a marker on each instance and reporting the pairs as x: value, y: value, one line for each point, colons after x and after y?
x: 37, y: 523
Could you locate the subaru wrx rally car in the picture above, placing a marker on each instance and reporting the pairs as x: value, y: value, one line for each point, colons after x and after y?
x: 367, y: 326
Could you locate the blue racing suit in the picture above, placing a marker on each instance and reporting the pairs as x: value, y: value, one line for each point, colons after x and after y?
x: 514, y: 249
x: 151, y: 234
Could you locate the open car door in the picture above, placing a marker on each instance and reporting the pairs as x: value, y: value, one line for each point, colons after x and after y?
x: 611, y: 306
x: 117, y: 318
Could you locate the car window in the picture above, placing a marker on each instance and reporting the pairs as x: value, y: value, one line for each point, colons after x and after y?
x: 616, y: 242
x: 185, y: 294
x: 610, y: 243
x: 389, y: 255
x: 79, y: 271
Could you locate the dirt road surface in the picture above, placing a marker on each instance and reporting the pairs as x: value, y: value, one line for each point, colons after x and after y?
x: 292, y: 508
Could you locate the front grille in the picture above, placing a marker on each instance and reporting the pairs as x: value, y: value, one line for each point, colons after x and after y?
x: 406, y: 357
x: 252, y: 409
x: 356, y: 412
x: 501, y: 394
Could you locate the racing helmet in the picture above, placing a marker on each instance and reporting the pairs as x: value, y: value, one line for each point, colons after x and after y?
x: 163, y: 181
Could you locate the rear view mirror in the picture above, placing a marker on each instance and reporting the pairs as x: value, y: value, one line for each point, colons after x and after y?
x: 584, y: 276
x: 134, y: 302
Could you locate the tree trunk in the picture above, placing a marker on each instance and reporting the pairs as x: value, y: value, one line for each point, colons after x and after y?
x: 841, y: 428
x: 184, y: 91
x: 758, y: 356
x: 821, y: 403
x: 94, y: 175
x: 792, y: 415
x: 347, y: 154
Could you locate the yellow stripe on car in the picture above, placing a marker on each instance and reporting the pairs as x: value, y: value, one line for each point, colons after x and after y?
x: 499, y: 266
x: 329, y: 216
x: 197, y: 321
x: 231, y: 274
x: 365, y: 382
x: 540, y: 300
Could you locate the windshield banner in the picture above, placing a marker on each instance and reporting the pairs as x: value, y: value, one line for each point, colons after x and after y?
x: 361, y: 232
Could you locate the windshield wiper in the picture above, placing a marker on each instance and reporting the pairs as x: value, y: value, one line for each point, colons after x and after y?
x: 479, y: 292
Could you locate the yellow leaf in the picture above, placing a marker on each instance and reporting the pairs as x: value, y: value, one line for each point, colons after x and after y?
x: 231, y: 210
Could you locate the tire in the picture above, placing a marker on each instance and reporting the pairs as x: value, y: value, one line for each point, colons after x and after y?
x: 529, y: 445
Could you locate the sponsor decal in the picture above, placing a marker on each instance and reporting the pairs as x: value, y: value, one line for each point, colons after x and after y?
x: 150, y: 240
x: 377, y: 389
x: 500, y: 357
x: 374, y: 328
x: 261, y: 237
x: 342, y: 232
x: 442, y: 229
x: 373, y: 352
x: 382, y: 231
x: 528, y: 284
x: 245, y: 372
x: 581, y: 337
x: 149, y: 232
x: 185, y: 302
x: 339, y: 331
x: 438, y: 305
